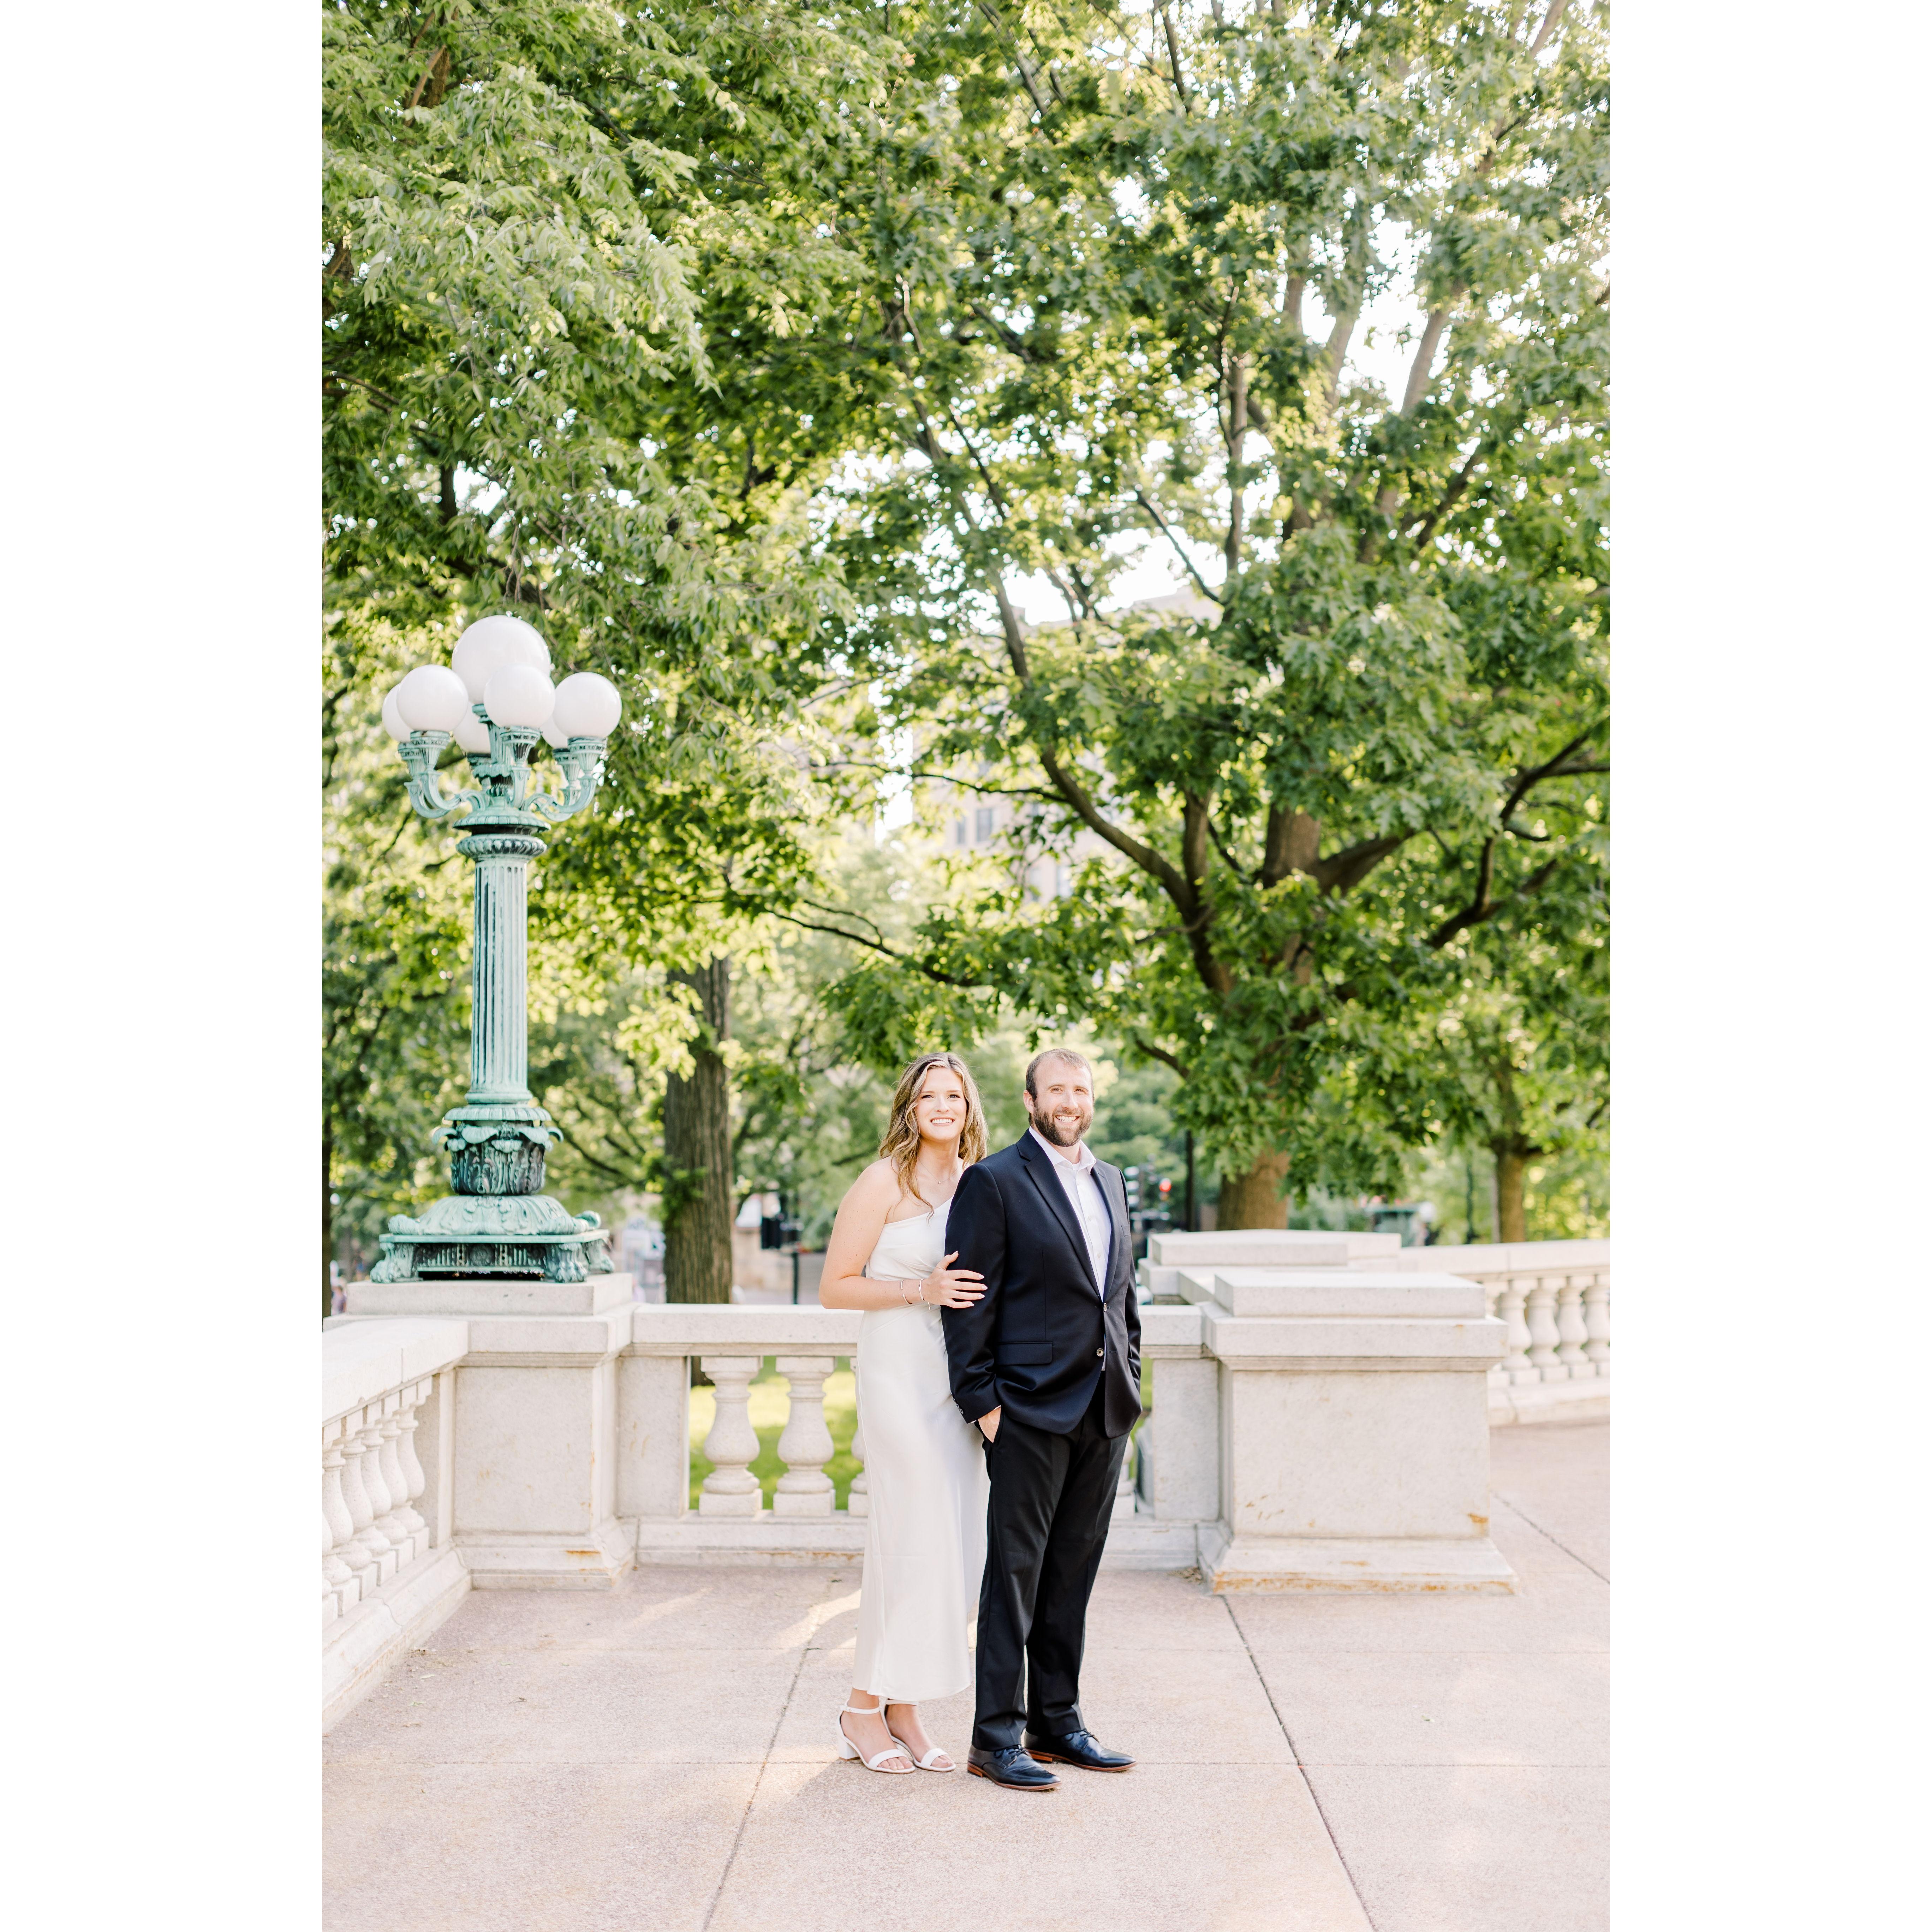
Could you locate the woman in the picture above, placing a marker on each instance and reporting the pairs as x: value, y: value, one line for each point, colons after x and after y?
x: 926, y: 1538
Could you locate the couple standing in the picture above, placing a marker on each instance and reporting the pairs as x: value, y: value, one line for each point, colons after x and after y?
x: 997, y: 1396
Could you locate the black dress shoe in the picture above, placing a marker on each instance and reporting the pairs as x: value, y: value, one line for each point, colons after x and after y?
x: 1080, y: 1747
x: 1012, y: 1767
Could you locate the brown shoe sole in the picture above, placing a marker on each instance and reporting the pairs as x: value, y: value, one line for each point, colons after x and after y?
x: 978, y: 1771
x: 1053, y: 1757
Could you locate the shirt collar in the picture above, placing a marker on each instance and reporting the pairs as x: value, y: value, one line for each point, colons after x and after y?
x: 1084, y: 1164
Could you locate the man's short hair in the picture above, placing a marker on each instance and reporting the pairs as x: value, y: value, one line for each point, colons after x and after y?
x: 1065, y: 1053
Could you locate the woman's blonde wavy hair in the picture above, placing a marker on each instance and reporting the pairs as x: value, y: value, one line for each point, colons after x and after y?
x: 901, y: 1144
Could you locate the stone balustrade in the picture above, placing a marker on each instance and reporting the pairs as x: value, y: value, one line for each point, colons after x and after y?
x: 1553, y: 1299
x: 389, y: 1573
x: 1319, y: 1421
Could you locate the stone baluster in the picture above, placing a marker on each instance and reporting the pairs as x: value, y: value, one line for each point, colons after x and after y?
x: 377, y: 1555
x: 1540, y: 1311
x: 1123, y: 1490
x: 340, y: 1588
x: 415, y: 1479
x: 384, y: 1485
x: 731, y: 1490
x: 1511, y: 1295
x: 1597, y: 1321
x: 859, y: 1498
x: 1571, y: 1332
x: 368, y: 1450
x: 806, y: 1446
x: 402, y: 1531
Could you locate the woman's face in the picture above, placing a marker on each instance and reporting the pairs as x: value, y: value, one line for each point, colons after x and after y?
x: 940, y: 1111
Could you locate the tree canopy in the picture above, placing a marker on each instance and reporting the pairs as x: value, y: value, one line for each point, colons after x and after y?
x: 1132, y: 259
x: 779, y: 361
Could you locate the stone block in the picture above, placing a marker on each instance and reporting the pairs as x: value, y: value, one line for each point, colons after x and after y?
x: 1265, y: 1247
x: 1344, y: 1565
x: 1336, y: 1292
x: 727, y: 1541
x: 1169, y: 1332
x: 1303, y: 1341
x: 489, y: 1297
x: 1336, y: 1453
x: 715, y: 1328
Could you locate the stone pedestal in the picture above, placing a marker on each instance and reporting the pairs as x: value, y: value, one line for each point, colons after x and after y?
x: 1354, y: 1432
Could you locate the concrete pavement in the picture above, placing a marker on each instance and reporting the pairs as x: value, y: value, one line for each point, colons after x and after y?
x: 660, y: 1758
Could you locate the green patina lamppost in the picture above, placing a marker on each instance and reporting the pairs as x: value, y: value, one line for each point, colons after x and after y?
x: 496, y: 701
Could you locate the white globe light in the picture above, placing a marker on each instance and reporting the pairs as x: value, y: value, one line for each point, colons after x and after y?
x: 519, y: 694
x: 473, y: 735
x: 432, y: 698
x: 392, y: 719
x: 587, y: 706
x: 558, y: 740
x: 487, y: 647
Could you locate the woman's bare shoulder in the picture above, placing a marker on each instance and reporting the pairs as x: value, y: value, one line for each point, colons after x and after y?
x: 876, y: 1185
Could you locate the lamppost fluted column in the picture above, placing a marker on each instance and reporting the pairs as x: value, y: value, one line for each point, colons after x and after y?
x: 499, y: 1010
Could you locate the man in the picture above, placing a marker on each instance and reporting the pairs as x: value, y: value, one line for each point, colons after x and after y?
x: 1048, y: 1363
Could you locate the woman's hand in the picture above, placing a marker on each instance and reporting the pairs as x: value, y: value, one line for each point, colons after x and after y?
x: 947, y: 1287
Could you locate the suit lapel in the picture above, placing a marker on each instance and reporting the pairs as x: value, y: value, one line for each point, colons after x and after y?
x: 1039, y: 1171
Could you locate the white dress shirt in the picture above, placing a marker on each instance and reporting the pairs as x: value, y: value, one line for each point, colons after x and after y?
x: 1080, y: 1175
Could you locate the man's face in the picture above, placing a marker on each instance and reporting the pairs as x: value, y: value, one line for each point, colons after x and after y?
x: 1062, y: 1105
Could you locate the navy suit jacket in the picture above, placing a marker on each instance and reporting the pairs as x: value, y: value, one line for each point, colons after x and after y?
x: 1035, y: 1345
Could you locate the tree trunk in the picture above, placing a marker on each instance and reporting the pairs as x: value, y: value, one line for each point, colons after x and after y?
x: 698, y: 1192
x: 1511, y: 1159
x: 1256, y: 1198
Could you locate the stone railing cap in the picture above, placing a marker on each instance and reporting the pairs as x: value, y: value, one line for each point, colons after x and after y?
x: 363, y: 1360
x: 694, y: 1328
x: 1265, y: 1246
x: 1493, y: 1258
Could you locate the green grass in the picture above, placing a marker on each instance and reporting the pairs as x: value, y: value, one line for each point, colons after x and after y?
x: 769, y: 1402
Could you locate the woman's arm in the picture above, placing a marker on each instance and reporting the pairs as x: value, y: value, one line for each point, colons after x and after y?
x: 855, y: 1234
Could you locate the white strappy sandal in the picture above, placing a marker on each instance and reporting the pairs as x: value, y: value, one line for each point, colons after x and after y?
x: 925, y: 1763
x: 847, y: 1748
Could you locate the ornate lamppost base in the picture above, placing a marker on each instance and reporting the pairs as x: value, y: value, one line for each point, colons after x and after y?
x: 499, y: 1222
x: 532, y: 1237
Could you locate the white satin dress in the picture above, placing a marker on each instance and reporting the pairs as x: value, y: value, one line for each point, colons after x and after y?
x: 926, y: 1536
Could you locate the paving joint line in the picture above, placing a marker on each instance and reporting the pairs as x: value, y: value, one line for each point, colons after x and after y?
x: 758, y: 1783
x: 1517, y: 1509
x: 1308, y: 1784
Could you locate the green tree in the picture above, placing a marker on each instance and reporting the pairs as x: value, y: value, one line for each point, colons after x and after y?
x: 1527, y: 1035
x: 1126, y: 269
x: 559, y: 242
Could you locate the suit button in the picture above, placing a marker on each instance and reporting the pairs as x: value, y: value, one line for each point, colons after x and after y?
x: 1102, y: 1353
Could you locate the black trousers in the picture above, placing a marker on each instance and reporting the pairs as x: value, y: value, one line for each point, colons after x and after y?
x: 1046, y: 1525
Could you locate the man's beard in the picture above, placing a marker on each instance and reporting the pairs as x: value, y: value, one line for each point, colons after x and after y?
x: 1064, y: 1136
